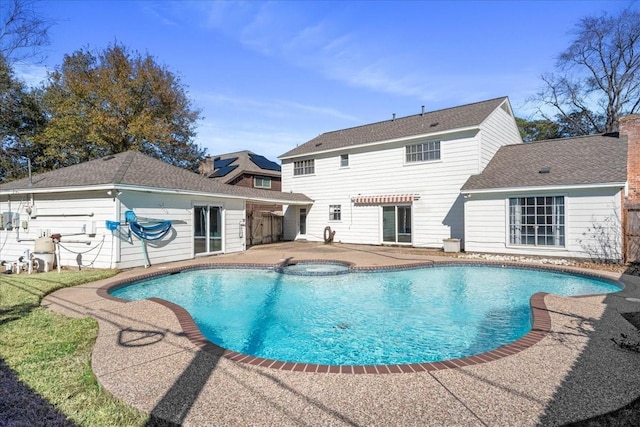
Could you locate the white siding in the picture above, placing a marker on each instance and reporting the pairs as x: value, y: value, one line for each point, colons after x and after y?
x: 120, y: 249
x: 234, y: 216
x: 438, y: 214
x: 65, y: 214
x: 487, y: 221
x: 178, y: 245
x: 497, y: 130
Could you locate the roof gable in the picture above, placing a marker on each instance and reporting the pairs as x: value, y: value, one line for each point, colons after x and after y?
x: 465, y: 116
x: 595, y: 159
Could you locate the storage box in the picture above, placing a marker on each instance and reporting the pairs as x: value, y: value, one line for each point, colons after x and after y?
x: 451, y: 245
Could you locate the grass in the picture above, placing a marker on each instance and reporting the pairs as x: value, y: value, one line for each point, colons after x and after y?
x: 49, y: 357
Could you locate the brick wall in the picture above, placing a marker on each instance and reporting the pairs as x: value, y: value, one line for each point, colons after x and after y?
x: 630, y: 127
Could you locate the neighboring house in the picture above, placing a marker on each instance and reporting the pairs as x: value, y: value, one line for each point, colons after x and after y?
x: 207, y: 216
x: 247, y: 169
x: 397, y: 181
x: 560, y: 197
x: 243, y: 168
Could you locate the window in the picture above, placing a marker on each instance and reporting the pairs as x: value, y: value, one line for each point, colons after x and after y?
x: 303, y: 167
x: 344, y: 160
x: 537, y: 221
x: 423, y: 152
x: 261, y: 182
x: 335, y: 212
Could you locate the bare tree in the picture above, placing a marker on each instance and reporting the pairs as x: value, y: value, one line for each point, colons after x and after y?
x: 598, y: 75
x: 23, y: 32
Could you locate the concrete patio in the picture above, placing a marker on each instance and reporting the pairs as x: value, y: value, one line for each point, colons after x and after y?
x: 144, y: 357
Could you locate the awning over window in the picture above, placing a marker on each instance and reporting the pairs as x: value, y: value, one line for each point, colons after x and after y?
x: 388, y: 199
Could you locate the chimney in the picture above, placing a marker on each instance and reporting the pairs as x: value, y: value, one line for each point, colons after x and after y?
x: 630, y: 127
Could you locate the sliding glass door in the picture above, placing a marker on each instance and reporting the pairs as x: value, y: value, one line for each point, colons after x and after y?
x: 207, y: 229
x: 396, y: 224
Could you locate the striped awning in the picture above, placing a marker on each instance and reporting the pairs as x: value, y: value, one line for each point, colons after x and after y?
x: 387, y: 199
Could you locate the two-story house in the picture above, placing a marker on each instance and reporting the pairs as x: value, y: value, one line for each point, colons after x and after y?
x: 396, y: 181
x: 242, y: 168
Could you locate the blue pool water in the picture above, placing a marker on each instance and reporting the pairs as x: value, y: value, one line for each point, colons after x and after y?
x: 386, y: 317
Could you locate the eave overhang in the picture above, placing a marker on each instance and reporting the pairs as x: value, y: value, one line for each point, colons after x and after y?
x: 545, y: 188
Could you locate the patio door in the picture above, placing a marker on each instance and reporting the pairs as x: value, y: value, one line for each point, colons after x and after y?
x: 303, y: 221
x: 207, y: 229
x: 396, y: 224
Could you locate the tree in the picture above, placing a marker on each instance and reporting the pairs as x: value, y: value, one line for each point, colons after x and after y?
x: 598, y: 75
x: 22, y: 31
x: 580, y: 123
x: 20, y: 119
x: 537, y: 130
x: 114, y: 101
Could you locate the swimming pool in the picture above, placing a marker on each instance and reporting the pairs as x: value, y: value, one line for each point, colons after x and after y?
x: 362, y: 318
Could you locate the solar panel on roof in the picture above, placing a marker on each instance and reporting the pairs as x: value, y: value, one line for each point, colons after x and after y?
x: 221, y: 163
x: 223, y: 171
x: 264, y: 163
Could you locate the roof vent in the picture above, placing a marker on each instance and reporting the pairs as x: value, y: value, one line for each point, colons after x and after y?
x: 393, y: 116
x: 318, y: 144
x: 434, y: 124
x: 545, y: 169
x: 422, y: 114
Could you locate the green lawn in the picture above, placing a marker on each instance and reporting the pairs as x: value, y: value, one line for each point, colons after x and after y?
x: 49, y: 355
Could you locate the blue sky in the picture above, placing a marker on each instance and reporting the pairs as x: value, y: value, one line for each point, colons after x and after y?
x: 272, y: 75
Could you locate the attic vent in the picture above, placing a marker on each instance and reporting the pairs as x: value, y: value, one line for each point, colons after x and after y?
x: 434, y: 124
x: 104, y: 159
x: 545, y: 169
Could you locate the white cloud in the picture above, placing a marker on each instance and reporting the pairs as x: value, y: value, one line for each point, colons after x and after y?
x: 162, y: 11
x: 267, y: 108
x: 313, y: 43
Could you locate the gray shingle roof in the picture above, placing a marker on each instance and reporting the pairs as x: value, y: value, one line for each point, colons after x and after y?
x: 135, y: 169
x: 435, y: 121
x: 596, y: 159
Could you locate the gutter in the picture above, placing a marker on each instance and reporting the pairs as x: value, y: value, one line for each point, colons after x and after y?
x: 545, y: 188
x: 105, y: 188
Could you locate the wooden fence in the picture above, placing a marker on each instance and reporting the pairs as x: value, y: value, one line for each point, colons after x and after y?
x: 263, y: 227
x: 632, y: 233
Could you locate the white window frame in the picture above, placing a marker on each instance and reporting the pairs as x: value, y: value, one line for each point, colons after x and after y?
x: 303, y: 167
x: 206, y: 235
x: 335, y: 212
x: 428, y: 151
x: 532, y: 222
x: 262, y: 179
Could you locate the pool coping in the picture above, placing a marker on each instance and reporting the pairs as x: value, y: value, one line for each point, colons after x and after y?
x: 541, y: 320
